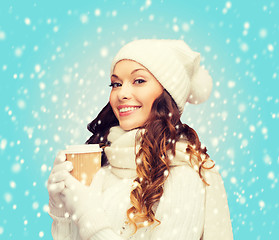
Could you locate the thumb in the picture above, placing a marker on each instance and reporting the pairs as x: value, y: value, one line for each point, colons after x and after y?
x: 97, y: 182
x: 71, y: 182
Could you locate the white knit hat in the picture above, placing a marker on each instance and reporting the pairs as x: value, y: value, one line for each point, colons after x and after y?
x: 174, y: 65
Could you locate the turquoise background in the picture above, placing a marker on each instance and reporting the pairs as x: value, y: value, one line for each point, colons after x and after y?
x: 54, y: 72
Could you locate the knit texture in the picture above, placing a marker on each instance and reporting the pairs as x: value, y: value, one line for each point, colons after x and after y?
x: 174, y: 64
x: 187, y: 209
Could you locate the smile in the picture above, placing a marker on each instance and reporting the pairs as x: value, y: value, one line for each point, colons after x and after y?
x: 127, y: 109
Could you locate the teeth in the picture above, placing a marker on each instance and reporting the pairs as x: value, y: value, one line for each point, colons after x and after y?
x: 126, y: 109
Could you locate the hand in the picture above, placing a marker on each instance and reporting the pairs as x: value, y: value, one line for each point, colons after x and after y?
x: 85, y: 204
x: 78, y: 198
x: 56, y: 183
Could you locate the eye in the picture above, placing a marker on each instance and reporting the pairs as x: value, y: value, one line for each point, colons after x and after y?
x: 139, y: 81
x: 115, y: 85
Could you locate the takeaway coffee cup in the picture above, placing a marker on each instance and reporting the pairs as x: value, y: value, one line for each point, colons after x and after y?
x: 86, y: 160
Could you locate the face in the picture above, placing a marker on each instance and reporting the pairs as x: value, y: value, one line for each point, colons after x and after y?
x: 133, y: 92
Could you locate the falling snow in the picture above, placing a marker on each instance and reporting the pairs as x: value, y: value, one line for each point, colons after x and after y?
x: 55, y: 71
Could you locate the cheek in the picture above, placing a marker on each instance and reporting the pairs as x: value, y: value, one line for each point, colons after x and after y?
x: 111, y: 99
x: 152, y: 96
x: 147, y: 103
x: 113, y: 104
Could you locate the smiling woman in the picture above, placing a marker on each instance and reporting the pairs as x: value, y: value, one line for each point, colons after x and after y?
x: 155, y: 172
x: 134, y: 90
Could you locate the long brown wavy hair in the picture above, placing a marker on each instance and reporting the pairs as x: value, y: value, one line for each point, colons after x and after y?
x: 161, y: 132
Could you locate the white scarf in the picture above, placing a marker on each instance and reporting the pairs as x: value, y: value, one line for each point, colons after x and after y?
x: 121, y: 153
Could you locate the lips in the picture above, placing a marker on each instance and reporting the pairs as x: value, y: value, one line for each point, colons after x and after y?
x: 125, y: 110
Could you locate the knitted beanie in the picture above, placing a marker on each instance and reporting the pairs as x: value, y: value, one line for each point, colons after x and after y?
x: 174, y: 65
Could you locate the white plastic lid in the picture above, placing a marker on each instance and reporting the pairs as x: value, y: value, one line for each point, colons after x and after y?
x: 84, y: 148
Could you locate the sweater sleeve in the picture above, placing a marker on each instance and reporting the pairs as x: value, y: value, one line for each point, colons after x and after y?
x: 217, y: 223
x: 62, y: 228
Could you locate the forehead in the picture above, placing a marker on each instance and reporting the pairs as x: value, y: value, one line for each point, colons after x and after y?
x: 128, y: 66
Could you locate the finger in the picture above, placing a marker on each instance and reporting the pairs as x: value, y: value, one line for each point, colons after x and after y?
x: 56, y: 187
x: 69, y: 197
x: 58, y: 176
x: 60, y: 157
x: 64, y: 193
x: 68, y: 166
x: 98, y: 180
x: 72, y: 183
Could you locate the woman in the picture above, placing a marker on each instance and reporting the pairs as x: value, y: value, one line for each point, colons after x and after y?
x: 156, y: 180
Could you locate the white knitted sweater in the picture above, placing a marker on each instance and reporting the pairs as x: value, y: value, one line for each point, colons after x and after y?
x: 188, y: 210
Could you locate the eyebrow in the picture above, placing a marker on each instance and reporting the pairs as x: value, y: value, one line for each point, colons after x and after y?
x: 135, y: 70
x: 113, y: 75
x: 138, y: 69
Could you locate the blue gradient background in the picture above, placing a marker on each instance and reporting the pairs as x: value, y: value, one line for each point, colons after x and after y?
x: 54, y: 72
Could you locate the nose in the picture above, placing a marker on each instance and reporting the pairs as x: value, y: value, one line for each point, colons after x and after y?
x: 124, y: 92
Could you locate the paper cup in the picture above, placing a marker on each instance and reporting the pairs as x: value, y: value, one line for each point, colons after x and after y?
x: 86, y: 160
